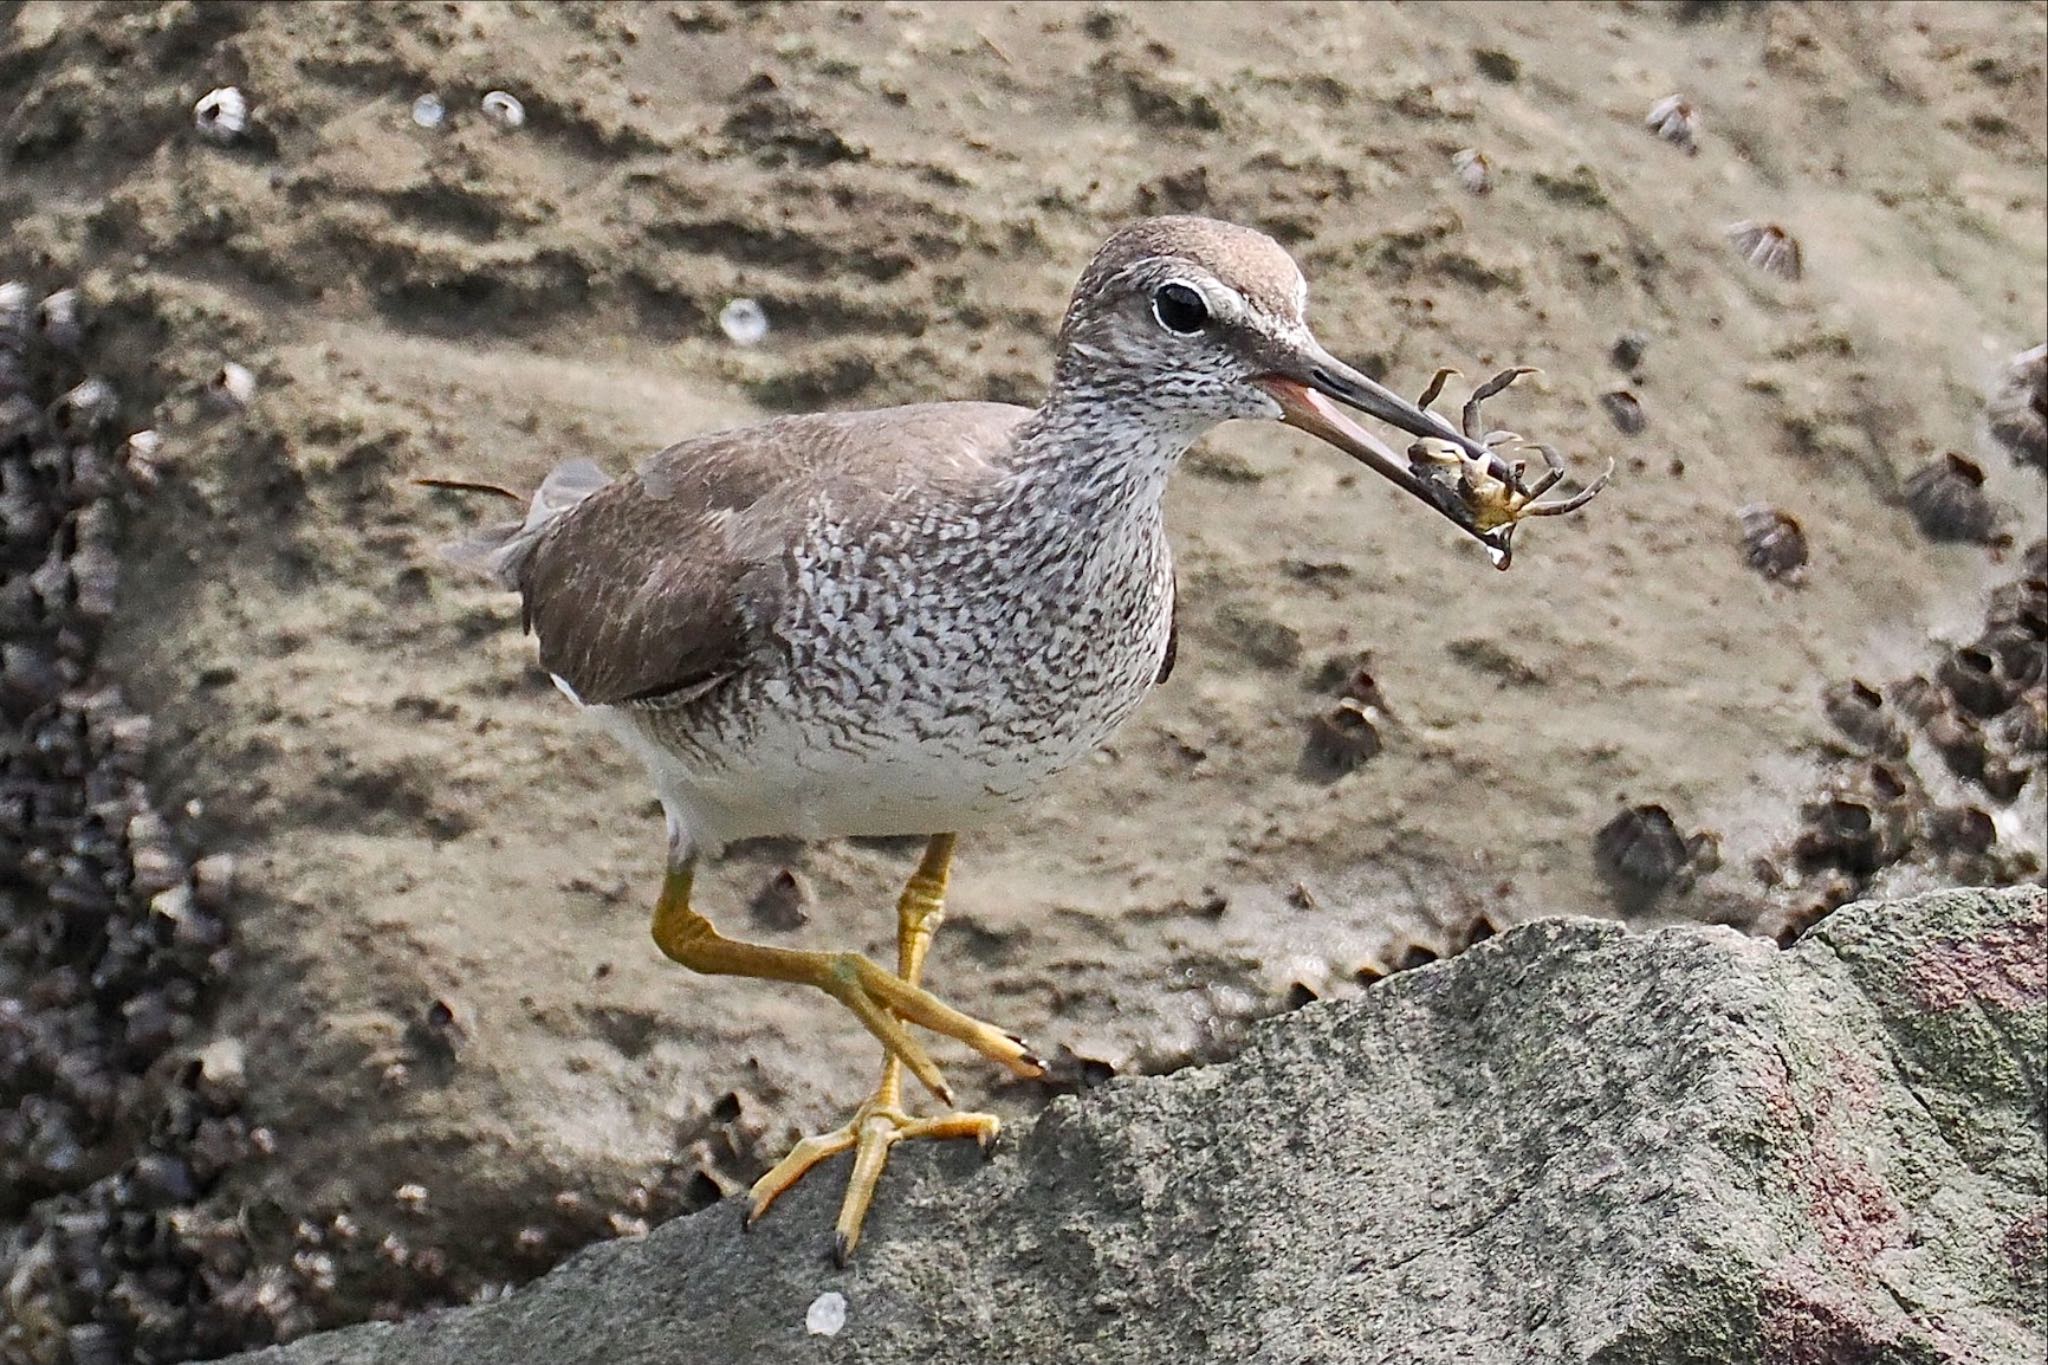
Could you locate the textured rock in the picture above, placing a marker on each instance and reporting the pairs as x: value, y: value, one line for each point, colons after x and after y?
x: 1570, y: 1143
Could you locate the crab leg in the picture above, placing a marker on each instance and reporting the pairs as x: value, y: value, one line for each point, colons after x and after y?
x: 1488, y: 390
x: 1436, y: 387
x: 1572, y: 503
x: 1553, y: 471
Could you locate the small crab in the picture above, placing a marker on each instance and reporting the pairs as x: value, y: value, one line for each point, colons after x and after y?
x: 1483, y: 492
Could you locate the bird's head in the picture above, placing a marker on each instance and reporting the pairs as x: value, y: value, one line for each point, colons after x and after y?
x: 1188, y: 322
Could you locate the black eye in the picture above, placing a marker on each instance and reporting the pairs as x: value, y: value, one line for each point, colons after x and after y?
x: 1180, y: 309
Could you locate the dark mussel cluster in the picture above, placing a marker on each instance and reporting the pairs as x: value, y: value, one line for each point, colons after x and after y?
x: 111, y: 935
x: 1932, y: 759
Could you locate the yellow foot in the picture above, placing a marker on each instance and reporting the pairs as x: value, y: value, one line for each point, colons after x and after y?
x: 875, y: 1127
x: 877, y: 999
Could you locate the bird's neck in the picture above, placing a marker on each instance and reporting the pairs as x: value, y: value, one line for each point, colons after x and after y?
x: 1096, y: 454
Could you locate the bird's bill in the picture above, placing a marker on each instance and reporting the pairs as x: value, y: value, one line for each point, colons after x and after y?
x: 1308, y: 401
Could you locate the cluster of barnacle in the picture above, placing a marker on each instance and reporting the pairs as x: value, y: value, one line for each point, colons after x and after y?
x: 119, y: 1243
x: 111, y: 935
x: 1403, y: 954
x: 1937, y: 766
x: 1946, y: 498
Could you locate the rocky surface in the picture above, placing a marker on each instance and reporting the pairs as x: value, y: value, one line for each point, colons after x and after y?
x: 1571, y: 1143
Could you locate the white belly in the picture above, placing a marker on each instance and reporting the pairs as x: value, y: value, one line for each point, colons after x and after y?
x: 802, y: 778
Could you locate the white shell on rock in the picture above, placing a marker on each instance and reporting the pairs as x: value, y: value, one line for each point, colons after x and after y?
x: 744, y: 322
x: 428, y: 111
x: 826, y: 1315
x: 232, y: 386
x: 1674, y: 119
x: 222, y: 115
x: 58, y: 319
x: 1475, y: 172
x: 504, y: 110
x: 142, y: 452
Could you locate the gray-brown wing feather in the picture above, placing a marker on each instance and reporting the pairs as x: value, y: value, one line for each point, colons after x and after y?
x: 668, y: 581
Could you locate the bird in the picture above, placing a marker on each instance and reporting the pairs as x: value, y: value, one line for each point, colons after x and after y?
x: 904, y: 621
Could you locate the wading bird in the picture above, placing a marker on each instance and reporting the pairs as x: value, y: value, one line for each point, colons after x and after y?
x: 903, y: 621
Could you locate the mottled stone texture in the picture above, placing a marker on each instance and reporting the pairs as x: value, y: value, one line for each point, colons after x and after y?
x: 1570, y: 1143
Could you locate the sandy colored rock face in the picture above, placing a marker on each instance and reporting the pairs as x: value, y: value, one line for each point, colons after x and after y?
x: 445, y: 980
x: 1569, y: 1144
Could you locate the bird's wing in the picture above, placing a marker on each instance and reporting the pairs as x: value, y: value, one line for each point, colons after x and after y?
x: 668, y: 581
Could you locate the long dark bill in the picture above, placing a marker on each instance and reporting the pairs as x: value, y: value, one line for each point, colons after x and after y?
x: 1305, y: 403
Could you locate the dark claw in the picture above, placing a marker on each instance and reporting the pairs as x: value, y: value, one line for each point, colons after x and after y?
x: 842, y: 1251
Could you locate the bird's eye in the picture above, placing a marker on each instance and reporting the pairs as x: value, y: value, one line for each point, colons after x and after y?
x: 1180, y: 309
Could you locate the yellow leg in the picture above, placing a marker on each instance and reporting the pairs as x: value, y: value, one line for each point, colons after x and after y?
x: 876, y: 998
x: 880, y: 1122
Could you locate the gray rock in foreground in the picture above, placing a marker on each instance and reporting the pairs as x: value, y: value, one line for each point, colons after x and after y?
x: 1570, y: 1143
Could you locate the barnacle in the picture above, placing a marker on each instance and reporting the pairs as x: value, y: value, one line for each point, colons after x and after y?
x: 1919, y: 699
x: 1625, y: 410
x: 85, y: 409
x: 1960, y: 742
x: 1948, y: 501
x: 57, y: 318
x: 2023, y: 731
x: 1343, y: 737
x: 232, y: 386
x: 1960, y: 829
x: 222, y: 115
x: 1858, y: 710
x: 2019, y: 651
x: 1768, y: 247
x: 783, y: 902
x: 1674, y: 119
x: 1643, y: 851
x: 1773, y: 542
x: 1475, y: 171
x: 504, y: 109
x: 1850, y: 831
x: 141, y: 452
x: 1977, y: 680
x: 2018, y: 408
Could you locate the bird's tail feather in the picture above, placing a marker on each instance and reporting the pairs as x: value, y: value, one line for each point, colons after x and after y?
x: 501, y: 551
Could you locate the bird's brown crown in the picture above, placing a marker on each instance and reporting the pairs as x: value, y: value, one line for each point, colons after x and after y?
x: 1244, y: 258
